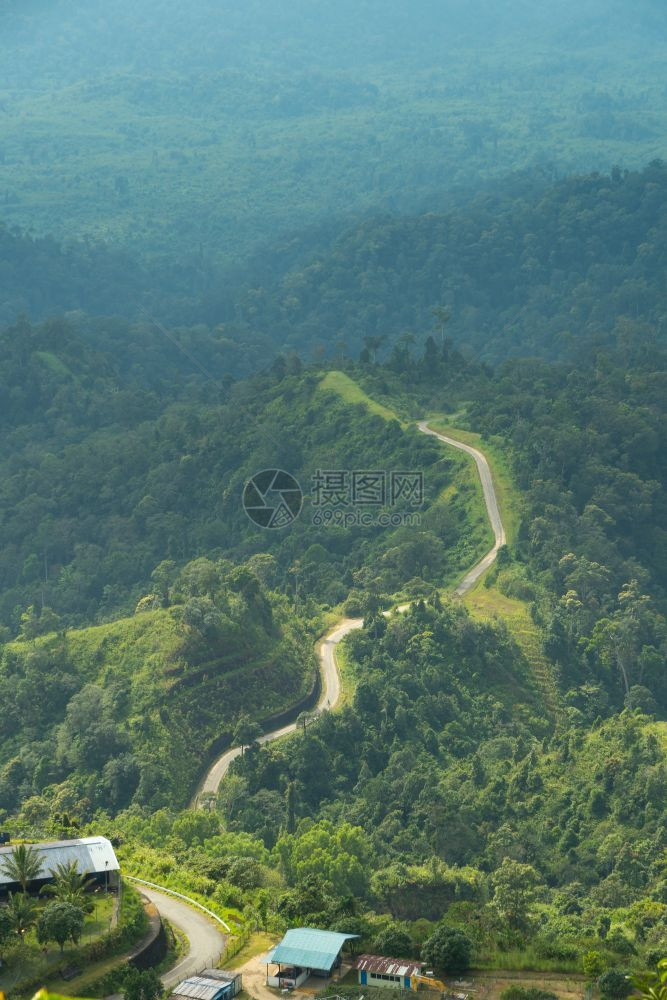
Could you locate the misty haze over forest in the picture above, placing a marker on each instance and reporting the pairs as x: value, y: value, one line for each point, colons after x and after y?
x: 210, y: 128
x: 333, y: 479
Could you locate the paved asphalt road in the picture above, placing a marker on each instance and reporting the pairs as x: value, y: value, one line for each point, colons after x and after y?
x: 328, y: 699
x: 206, y: 941
x: 327, y: 650
x: 490, y: 499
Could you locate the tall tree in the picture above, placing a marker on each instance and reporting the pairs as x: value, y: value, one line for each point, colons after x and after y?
x: 246, y: 733
x: 60, y: 922
x: 290, y: 806
x: 23, y: 865
x: 442, y: 316
x: 22, y: 913
x: 514, y: 890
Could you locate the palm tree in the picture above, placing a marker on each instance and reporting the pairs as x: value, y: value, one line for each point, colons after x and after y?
x: 22, y: 913
x: 652, y: 985
x: 69, y: 885
x: 23, y: 865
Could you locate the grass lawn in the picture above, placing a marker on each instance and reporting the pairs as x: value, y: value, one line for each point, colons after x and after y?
x: 527, y: 961
x: 29, y: 960
x: 257, y: 945
x: 76, y: 987
x: 348, y: 390
x: 487, y: 603
x: 348, y: 680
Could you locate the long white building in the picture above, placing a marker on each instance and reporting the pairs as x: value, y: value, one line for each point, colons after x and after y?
x: 94, y: 856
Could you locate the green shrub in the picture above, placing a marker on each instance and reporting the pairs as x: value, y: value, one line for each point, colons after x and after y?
x: 614, y: 985
x: 448, y: 949
x: 526, y: 993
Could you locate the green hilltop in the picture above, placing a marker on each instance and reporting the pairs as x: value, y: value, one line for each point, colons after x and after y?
x: 129, y: 711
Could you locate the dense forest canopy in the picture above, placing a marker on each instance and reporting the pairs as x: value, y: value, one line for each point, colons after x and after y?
x: 547, y: 270
x: 191, y: 132
x: 78, y: 425
x: 533, y: 271
x: 237, y: 237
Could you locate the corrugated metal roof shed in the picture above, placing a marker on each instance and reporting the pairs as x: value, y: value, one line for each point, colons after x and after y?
x: 92, y: 854
x: 228, y: 977
x: 208, y: 985
x: 200, y: 988
x: 383, y: 966
x: 309, y: 948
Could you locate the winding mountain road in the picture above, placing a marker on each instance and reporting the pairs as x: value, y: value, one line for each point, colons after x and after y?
x: 328, y: 698
x: 327, y: 649
x: 490, y: 499
x: 206, y: 941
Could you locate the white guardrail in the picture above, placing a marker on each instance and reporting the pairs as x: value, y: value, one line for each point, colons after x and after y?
x: 179, y: 895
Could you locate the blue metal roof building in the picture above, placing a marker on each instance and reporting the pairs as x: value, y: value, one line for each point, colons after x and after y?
x: 306, y: 951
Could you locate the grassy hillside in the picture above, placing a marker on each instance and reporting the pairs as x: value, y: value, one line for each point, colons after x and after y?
x: 127, y: 711
x: 352, y: 393
x: 104, y: 477
x: 461, y: 496
x: 205, y: 643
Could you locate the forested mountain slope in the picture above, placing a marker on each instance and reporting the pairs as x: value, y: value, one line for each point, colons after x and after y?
x: 461, y: 781
x: 583, y: 442
x: 111, y: 467
x: 127, y: 711
x: 522, y: 272
x: 443, y: 791
x: 527, y: 269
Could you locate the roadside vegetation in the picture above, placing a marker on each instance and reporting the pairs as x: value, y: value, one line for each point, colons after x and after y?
x: 53, y: 935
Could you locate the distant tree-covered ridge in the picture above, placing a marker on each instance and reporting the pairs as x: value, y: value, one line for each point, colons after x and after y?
x: 533, y: 271
x: 188, y: 135
x: 530, y: 269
